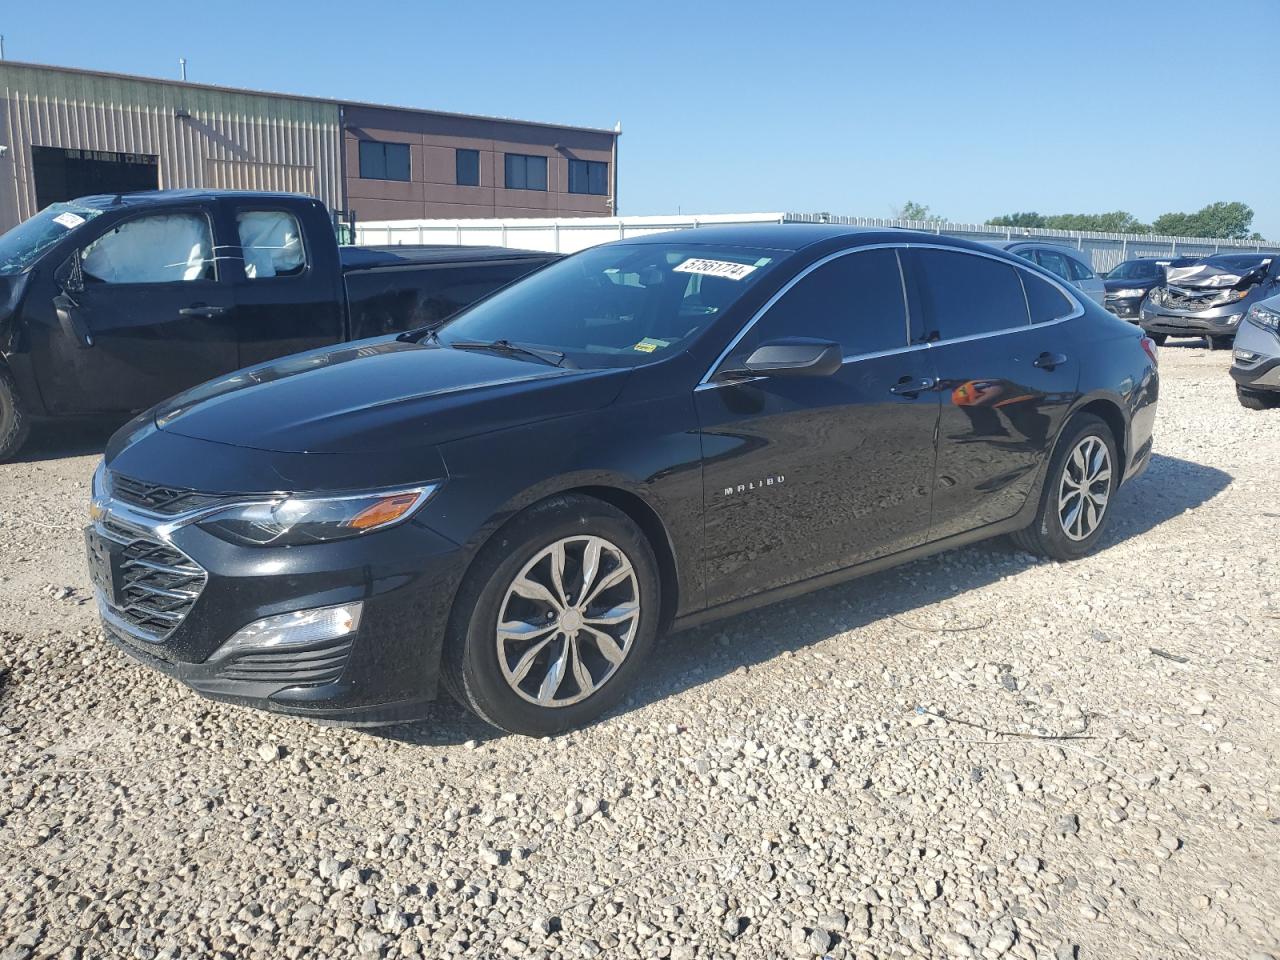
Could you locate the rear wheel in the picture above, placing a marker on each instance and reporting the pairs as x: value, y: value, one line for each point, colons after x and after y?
x: 1075, y: 502
x: 1219, y: 343
x: 555, y: 619
x: 14, y: 424
x: 1257, y: 399
x: 1158, y: 338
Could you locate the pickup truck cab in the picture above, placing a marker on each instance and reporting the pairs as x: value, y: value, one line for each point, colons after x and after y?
x: 110, y: 304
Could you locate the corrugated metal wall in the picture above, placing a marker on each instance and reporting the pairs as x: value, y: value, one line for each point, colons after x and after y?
x: 227, y: 139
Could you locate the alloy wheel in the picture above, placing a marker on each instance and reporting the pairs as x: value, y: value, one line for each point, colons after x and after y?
x: 568, y: 620
x: 1085, y: 488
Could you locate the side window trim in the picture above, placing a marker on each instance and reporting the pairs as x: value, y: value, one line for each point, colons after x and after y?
x: 1041, y: 273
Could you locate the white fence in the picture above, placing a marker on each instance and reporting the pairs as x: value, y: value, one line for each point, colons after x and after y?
x: 570, y: 234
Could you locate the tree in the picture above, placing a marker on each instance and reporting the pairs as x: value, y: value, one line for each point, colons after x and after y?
x: 1231, y: 221
x: 914, y: 211
x: 1018, y: 220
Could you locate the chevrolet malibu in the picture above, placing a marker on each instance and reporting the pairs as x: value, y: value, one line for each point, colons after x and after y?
x: 645, y: 436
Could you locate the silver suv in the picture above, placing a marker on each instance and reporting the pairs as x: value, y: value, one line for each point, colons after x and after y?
x: 1071, y: 265
x: 1255, y: 363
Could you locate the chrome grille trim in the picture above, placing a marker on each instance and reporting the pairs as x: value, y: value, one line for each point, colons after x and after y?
x: 160, y: 584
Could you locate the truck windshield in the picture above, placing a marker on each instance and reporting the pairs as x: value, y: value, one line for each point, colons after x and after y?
x: 617, y: 305
x: 20, y: 247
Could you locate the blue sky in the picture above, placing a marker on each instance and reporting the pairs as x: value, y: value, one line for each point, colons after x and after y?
x: 975, y: 108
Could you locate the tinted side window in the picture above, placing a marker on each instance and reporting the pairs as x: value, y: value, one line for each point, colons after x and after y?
x: 1144, y: 270
x: 965, y: 294
x: 1124, y: 271
x: 1045, y: 301
x: 1055, y: 263
x: 1078, y: 270
x: 855, y: 300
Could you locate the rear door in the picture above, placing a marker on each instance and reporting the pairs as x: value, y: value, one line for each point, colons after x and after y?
x: 157, y: 309
x: 806, y: 475
x: 288, y: 284
x: 1005, y: 383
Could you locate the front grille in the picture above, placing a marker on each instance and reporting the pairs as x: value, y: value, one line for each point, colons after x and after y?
x: 160, y: 498
x: 322, y: 663
x: 1192, y: 301
x: 159, y: 583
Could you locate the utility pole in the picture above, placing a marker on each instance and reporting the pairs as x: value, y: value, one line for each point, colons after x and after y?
x: 1, y: 46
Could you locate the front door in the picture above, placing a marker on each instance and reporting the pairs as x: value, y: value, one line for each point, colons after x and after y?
x: 806, y: 475
x: 151, y: 318
x: 1005, y: 383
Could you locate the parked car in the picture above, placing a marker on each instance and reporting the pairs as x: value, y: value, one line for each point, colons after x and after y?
x: 110, y: 304
x: 1129, y: 283
x: 1255, y: 363
x: 646, y: 435
x: 1063, y: 262
x: 1209, y: 297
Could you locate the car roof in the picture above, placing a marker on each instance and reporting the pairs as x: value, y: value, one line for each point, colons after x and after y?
x: 161, y: 197
x: 796, y: 236
x: 1042, y: 245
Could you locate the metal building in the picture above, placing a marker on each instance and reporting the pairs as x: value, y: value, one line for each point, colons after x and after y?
x: 66, y: 133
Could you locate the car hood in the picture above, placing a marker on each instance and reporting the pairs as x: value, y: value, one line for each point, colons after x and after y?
x: 1113, y: 285
x: 1214, y: 277
x: 380, y: 395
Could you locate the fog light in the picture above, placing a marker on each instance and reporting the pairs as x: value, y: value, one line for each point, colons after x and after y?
x: 293, y: 630
x: 1232, y: 320
x: 1244, y: 356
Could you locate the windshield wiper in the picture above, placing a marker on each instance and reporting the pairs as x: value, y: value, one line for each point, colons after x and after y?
x: 419, y: 334
x: 553, y: 357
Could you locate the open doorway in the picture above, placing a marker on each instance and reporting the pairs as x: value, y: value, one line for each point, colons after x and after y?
x: 63, y: 174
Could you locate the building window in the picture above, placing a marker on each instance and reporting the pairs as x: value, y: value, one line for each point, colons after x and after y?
x: 384, y: 161
x: 468, y: 167
x: 589, y: 176
x: 526, y: 173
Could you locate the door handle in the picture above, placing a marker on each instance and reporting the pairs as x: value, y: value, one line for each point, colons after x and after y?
x: 911, y: 386
x: 1047, y: 361
x: 202, y: 310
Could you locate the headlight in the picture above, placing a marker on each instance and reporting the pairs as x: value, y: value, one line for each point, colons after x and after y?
x: 1156, y: 296
x: 99, y: 492
x: 296, y: 520
x: 1127, y: 293
x: 1264, y: 317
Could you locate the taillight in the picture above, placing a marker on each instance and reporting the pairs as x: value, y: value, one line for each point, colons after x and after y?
x: 1149, y: 345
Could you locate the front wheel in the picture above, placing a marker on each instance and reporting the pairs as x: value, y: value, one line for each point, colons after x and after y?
x: 1257, y: 400
x: 14, y: 424
x: 1158, y: 338
x: 1220, y: 343
x: 555, y: 618
x: 1075, y: 502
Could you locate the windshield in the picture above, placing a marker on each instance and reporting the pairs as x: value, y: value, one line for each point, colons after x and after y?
x: 617, y: 305
x: 20, y: 247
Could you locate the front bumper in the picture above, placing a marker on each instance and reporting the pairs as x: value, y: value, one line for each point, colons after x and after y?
x: 385, y: 671
x: 1217, y: 323
x: 1263, y: 375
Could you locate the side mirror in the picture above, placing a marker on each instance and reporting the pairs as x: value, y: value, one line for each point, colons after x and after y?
x: 791, y: 357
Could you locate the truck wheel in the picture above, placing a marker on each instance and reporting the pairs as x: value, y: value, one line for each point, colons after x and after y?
x: 1075, y: 503
x: 555, y: 618
x: 1257, y: 400
x: 14, y: 423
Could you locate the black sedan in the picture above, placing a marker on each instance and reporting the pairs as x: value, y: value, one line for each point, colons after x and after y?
x: 1130, y: 282
x: 644, y: 436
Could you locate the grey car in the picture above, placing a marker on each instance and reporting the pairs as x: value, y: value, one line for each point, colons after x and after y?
x: 1210, y: 298
x: 1255, y: 363
x: 1071, y: 265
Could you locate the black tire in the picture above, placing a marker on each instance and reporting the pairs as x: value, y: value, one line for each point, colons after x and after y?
x: 1158, y: 338
x: 14, y: 423
x: 1257, y: 400
x: 472, y: 669
x: 1046, y: 536
x: 1220, y: 343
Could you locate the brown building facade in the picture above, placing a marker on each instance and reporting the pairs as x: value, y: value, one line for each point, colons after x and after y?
x: 412, y: 164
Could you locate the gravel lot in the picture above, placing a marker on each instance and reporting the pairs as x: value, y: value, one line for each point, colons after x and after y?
x: 1105, y: 783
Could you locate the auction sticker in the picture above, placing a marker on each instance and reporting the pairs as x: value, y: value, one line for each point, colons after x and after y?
x: 716, y: 268
x: 69, y: 220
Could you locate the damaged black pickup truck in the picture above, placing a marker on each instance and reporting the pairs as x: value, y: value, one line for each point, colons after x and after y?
x: 110, y: 304
x: 1209, y: 297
